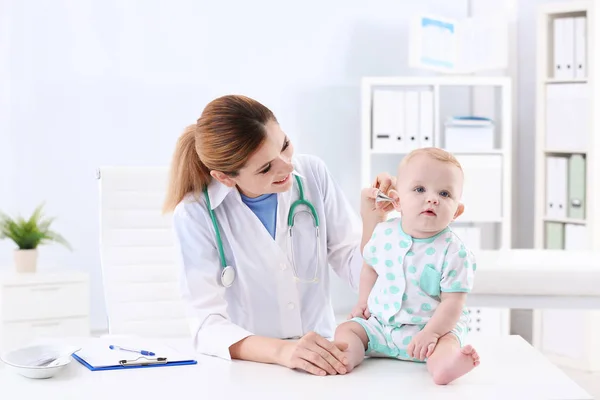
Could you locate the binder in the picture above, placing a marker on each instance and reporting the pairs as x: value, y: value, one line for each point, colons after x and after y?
x: 554, y: 235
x: 551, y: 201
x: 397, y: 111
x: 575, y: 237
x: 576, y: 201
x: 426, y: 117
x: 559, y: 59
x: 568, y: 50
x: 96, y: 355
x: 560, y: 187
x: 411, y: 114
x: 382, y: 123
x: 580, y: 47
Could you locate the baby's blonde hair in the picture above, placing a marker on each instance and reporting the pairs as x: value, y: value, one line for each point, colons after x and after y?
x: 434, y: 152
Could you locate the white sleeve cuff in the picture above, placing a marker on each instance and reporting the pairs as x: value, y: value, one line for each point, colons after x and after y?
x: 217, y: 335
x: 356, y: 265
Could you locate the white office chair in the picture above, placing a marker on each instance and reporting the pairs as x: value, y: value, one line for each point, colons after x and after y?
x: 140, y: 275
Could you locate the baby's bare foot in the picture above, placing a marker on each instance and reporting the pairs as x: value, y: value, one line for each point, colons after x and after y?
x: 457, y: 365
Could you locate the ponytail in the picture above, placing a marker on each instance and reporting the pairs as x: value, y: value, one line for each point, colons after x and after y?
x: 188, y: 173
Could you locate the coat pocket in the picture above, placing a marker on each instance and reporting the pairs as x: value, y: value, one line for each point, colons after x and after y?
x: 430, y: 280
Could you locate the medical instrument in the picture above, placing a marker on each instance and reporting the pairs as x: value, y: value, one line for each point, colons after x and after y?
x: 228, y: 273
x: 142, y: 352
x: 303, y: 202
x: 381, y: 197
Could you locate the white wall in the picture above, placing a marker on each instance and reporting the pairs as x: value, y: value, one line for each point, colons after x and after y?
x: 114, y: 82
x: 7, y: 148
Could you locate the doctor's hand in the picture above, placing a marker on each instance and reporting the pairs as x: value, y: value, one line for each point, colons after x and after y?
x: 315, y: 355
x: 370, y: 210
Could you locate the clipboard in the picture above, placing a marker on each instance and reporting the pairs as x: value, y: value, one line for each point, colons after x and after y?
x: 97, y: 356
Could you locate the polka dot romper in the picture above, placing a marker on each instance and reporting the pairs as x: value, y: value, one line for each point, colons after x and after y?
x: 412, y: 274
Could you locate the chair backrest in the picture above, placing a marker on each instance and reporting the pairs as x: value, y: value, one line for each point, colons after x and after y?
x: 137, y: 253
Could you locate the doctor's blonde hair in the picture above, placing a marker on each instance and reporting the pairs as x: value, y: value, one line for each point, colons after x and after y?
x: 230, y: 129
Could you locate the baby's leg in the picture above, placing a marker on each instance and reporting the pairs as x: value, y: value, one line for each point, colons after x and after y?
x: 355, y: 335
x: 449, y: 361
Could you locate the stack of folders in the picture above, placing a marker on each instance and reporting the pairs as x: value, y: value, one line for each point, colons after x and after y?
x: 570, y: 48
x: 402, y: 120
x: 565, y: 199
x: 469, y: 133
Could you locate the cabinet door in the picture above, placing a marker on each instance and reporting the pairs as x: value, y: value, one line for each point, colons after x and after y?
x: 482, y: 194
x: 488, y: 322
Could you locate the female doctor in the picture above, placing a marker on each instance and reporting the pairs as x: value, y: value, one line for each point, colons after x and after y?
x: 256, y: 230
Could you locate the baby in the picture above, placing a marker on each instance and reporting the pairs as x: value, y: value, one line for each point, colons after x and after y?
x: 416, y: 275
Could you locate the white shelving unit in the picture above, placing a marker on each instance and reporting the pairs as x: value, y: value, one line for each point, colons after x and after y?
x: 567, y: 170
x: 488, y: 171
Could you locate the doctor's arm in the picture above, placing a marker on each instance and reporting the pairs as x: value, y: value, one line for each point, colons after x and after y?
x: 346, y: 236
x: 212, y: 330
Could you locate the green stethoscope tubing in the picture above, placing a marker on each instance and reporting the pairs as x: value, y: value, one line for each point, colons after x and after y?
x: 227, y: 273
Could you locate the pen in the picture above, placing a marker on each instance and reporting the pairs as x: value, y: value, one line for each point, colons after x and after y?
x: 142, y: 352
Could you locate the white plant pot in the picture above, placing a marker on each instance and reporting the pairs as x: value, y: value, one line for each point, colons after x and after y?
x: 26, y: 260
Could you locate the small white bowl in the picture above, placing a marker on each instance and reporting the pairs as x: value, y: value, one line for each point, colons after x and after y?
x: 23, y: 360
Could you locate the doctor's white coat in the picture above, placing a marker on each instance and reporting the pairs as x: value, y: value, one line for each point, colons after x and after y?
x: 265, y: 298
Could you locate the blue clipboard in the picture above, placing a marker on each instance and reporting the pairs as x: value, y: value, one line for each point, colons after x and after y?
x: 102, y: 355
x: 146, y: 365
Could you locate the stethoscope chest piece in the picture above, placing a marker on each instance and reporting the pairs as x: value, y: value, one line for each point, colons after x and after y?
x: 227, y: 276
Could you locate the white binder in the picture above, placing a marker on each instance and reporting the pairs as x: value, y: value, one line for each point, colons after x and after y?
x: 559, y: 67
x: 397, y: 112
x: 551, y: 206
x: 382, y: 123
x: 411, y: 107
x: 580, y: 48
x: 562, y: 169
x: 559, y: 186
x: 575, y: 237
x: 556, y: 187
x: 568, y: 43
x: 426, y: 118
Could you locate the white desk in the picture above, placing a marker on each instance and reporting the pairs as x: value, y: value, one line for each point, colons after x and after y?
x: 534, y: 279
x: 510, y: 369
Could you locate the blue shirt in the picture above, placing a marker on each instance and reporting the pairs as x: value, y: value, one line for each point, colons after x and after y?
x: 265, y: 208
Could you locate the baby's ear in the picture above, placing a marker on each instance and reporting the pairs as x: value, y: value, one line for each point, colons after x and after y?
x: 396, y: 197
x: 459, y: 210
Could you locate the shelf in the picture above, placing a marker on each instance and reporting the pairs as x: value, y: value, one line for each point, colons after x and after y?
x: 552, y: 81
x: 566, y: 220
x: 436, y: 81
x: 565, y: 152
x: 455, y: 152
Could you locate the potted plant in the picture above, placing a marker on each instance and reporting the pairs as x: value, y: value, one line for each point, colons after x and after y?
x: 28, y: 235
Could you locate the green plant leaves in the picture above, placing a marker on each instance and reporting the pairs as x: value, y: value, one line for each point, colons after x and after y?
x: 30, y: 233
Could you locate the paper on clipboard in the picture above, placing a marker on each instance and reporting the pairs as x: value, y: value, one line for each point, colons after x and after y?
x: 98, y: 355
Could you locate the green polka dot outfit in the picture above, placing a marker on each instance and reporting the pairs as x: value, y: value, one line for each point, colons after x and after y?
x: 410, y: 281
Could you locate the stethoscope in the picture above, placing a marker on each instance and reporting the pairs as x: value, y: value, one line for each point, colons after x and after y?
x: 228, y: 273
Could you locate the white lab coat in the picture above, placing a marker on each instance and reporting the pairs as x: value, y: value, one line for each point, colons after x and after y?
x: 265, y: 299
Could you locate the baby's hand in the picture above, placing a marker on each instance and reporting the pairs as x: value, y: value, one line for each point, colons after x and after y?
x: 360, y: 311
x: 422, y: 345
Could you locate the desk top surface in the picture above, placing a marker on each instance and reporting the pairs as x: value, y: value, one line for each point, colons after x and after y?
x: 510, y: 369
